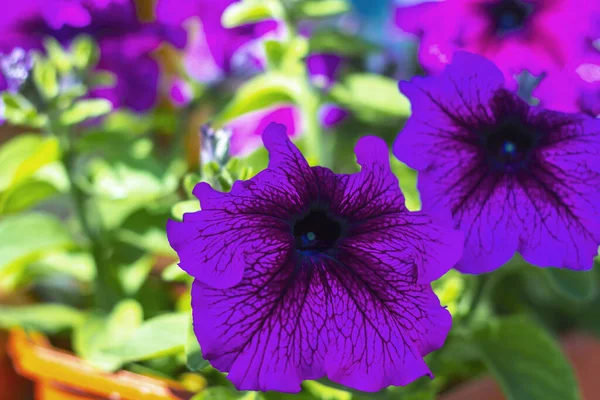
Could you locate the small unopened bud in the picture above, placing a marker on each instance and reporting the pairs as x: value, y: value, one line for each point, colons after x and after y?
x: 214, y: 145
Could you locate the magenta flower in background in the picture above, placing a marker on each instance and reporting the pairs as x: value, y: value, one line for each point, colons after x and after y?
x: 211, y: 50
x: 124, y: 40
x: 513, y: 176
x: 534, y: 35
x: 302, y: 273
x: 323, y: 68
x: 331, y: 114
x: 576, y: 88
x: 247, y: 128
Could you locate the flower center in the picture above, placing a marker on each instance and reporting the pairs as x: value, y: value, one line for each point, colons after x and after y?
x: 318, y: 231
x: 509, y: 145
x: 509, y: 15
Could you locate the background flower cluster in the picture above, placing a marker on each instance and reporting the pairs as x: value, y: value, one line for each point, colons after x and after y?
x: 367, y: 172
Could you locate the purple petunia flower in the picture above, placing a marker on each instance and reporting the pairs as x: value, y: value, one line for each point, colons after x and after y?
x: 125, y: 42
x: 212, y: 51
x: 534, y: 35
x: 302, y: 273
x: 331, y: 114
x: 576, y: 88
x: 514, y: 177
x: 323, y: 68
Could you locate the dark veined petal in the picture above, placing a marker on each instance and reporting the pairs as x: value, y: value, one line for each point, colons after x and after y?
x: 382, y: 227
x: 362, y: 328
x: 216, y: 243
x: 356, y: 313
x: 546, y: 199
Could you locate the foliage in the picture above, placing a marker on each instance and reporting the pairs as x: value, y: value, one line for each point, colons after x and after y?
x: 85, y: 196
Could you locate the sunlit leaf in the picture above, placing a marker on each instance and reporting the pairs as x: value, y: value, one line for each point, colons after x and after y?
x: 45, y: 77
x: 24, y: 155
x: 25, y: 195
x: 48, y: 318
x: 321, y: 8
x: 85, y: 109
x: 26, y: 237
x: 260, y: 92
x: 84, y: 52
x: 250, y: 11
x: 157, y: 337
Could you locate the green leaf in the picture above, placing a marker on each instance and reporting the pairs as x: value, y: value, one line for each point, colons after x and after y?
x: 260, y: 92
x: 183, y: 207
x: 173, y: 273
x: 322, y: 8
x: 98, y: 333
x: 19, y: 111
x: 527, y: 362
x: 25, y: 194
x: 250, y: 11
x: 323, y: 392
x: 226, y: 393
x: 372, y: 97
x: 145, y: 229
x: 45, y: 77
x: 194, y: 359
x: 85, y: 109
x: 84, y: 52
x: 158, y: 337
x: 57, y: 55
x: 47, y: 318
x: 407, y: 178
x: 26, y: 237
x: 78, y: 265
x: 327, y: 41
x: 573, y: 285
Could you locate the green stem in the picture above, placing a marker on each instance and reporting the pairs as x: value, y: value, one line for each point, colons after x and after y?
x: 481, y: 287
x: 108, y: 289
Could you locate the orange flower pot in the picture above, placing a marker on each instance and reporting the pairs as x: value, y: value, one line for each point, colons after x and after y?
x: 58, y: 375
x: 581, y: 349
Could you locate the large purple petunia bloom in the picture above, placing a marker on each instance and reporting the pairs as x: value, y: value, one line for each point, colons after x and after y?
x: 514, y: 177
x: 535, y: 35
x: 125, y: 42
x: 302, y: 273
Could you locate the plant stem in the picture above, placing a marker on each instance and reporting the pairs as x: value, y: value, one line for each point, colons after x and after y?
x: 108, y: 289
x: 481, y: 287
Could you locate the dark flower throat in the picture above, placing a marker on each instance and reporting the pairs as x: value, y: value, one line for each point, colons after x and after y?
x: 317, y: 232
x: 509, y: 144
x: 508, y: 15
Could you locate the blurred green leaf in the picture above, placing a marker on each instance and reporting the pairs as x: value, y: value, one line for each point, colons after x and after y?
x: 24, y: 155
x: 78, y: 265
x: 45, y: 77
x: 85, y: 109
x: 321, y: 8
x: 19, y: 111
x: 173, y: 273
x: 183, y: 207
x: 194, y: 359
x: 47, y: 318
x: 25, y: 195
x: 407, y: 178
x: 250, y: 11
x: 320, y: 391
x: 226, y: 393
x: 84, y: 52
x: 102, y: 79
x: 133, y: 273
x: 333, y: 41
x: 372, y: 98
x: 145, y: 229
x: 260, y: 92
x: 25, y: 238
x: 98, y: 333
x: 573, y: 285
x: 526, y: 361
x: 57, y: 55
x: 160, y: 336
